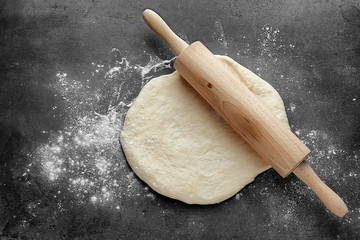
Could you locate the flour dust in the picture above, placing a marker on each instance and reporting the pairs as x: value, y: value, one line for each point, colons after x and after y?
x: 86, y: 155
x: 219, y: 34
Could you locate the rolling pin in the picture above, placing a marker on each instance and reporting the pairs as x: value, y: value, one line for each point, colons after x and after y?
x: 252, y: 119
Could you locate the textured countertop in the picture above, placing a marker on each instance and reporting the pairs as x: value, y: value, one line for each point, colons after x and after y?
x: 69, y: 71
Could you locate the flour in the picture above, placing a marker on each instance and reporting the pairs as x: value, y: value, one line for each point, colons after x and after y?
x: 219, y: 34
x: 155, y: 64
x: 269, y: 52
x: 292, y: 107
x: 271, y: 43
x: 85, y: 154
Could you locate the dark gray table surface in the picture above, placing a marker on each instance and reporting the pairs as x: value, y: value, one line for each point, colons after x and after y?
x: 69, y: 70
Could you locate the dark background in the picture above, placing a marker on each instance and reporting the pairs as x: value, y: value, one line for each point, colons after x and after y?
x: 55, y: 54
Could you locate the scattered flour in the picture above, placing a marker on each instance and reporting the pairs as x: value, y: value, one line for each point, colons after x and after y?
x: 219, y: 34
x: 86, y: 154
x: 292, y: 107
x: 155, y: 64
x: 271, y: 43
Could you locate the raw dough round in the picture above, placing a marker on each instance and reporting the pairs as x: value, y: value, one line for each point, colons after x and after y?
x: 176, y: 142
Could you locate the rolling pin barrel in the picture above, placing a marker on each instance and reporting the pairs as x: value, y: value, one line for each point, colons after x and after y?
x: 270, y: 138
x: 251, y: 118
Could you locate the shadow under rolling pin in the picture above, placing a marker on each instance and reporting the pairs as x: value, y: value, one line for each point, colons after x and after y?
x: 260, y: 128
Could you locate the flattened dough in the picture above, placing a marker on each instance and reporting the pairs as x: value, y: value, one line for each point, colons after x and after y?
x: 176, y: 142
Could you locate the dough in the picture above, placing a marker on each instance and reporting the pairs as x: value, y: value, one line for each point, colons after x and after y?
x: 176, y: 142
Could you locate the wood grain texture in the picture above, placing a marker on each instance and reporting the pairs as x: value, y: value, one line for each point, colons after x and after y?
x: 274, y: 142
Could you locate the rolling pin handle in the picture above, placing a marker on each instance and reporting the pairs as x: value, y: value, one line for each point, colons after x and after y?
x: 330, y: 199
x: 158, y: 25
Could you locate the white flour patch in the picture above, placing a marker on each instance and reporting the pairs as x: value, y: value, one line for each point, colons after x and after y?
x: 155, y: 64
x: 86, y: 153
x: 292, y: 107
x: 219, y: 34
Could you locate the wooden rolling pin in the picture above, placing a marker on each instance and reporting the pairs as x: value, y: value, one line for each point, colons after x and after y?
x: 260, y: 128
